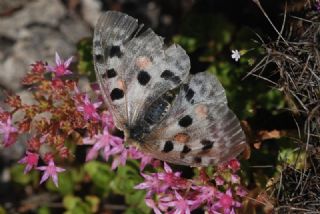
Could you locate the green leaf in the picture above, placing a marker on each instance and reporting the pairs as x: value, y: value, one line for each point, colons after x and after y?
x: 85, y: 65
x: 18, y: 176
x: 74, y: 205
x: 101, y: 175
x: 136, y: 199
x: 130, y: 175
x: 2, y: 210
x: 132, y: 210
x: 43, y: 210
x: 93, y: 202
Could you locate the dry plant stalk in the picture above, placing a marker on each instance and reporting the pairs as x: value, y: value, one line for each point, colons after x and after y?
x: 293, y: 66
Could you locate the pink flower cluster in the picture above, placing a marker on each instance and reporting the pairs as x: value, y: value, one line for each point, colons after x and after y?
x: 10, y: 132
x: 113, y: 146
x: 168, y: 192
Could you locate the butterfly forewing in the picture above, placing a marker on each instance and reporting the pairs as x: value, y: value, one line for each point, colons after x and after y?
x: 133, y: 67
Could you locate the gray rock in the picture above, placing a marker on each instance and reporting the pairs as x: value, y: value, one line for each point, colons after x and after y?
x: 41, y: 12
x: 91, y: 11
x: 36, y: 32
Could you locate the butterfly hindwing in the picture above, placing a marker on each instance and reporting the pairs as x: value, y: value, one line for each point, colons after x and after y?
x: 199, y: 129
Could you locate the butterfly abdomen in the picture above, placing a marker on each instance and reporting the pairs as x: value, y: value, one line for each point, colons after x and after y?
x: 158, y: 109
x: 153, y: 115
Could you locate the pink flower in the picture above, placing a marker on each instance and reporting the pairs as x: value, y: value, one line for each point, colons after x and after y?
x: 234, y: 165
x: 145, y: 159
x: 219, y: 181
x: 38, y: 67
x: 109, y: 143
x: 162, y: 181
x: 107, y: 120
x: 136, y: 154
x: 206, y: 194
x: 150, y: 203
x: 171, y: 179
x: 31, y: 159
x: 8, y: 131
x: 89, y: 109
x: 226, y: 203
x: 50, y: 171
x: 151, y: 184
x: 120, y: 159
x: 241, y: 191
x: 235, y: 179
x: 61, y: 67
x: 179, y: 204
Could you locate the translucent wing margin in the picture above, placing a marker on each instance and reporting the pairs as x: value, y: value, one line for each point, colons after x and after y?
x: 112, y: 31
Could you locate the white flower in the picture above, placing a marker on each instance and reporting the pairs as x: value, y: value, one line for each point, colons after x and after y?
x: 235, y: 55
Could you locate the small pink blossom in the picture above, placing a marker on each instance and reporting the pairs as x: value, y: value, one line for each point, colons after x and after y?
x: 144, y: 158
x: 235, y: 179
x: 8, y: 131
x: 171, y: 179
x: 225, y: 203
x: 241, y: 191
x: 38, y: 67
x: 150, y: 203
x: 61, y: 67
x: 234, y: 165
x: 179, y: 204
x: 50, y: 171
x: 120, y: 159
x: 219, y: 181
x: 31, y: 161
x: 89, y: 109
x: 205, y: 194
x: 151, y: 184
x: 110, y: 144
x: 107, y: 120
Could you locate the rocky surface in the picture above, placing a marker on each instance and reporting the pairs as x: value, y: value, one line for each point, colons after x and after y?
x: 33, y: 32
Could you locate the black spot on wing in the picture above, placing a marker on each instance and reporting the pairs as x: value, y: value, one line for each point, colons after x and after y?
x: 166, y: 74
x: 185, y: 150
x: 169, y: 75
x: 189, y: 94
x: 143, y: 77
x: 197, y: 160
x: 168, y: 146
x: 116, y: 94
x: 110, y: 73
x: 176, y: 79
x: 115, y: 51
x: 98, y: 58
x: 185, y: 121
x: 207, y: 144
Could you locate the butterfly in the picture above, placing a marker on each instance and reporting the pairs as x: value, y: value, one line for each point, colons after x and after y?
x: 166, y: 112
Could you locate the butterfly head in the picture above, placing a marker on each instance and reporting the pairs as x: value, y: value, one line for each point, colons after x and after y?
x: 134, y: 134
